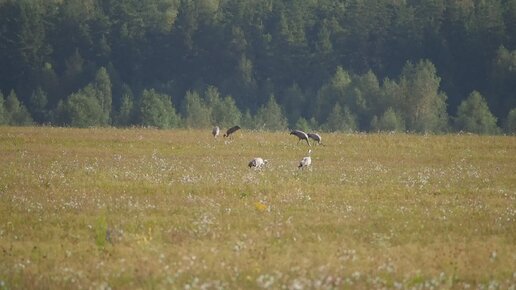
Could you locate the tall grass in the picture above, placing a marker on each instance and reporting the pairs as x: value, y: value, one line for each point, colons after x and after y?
x: 142, y: 208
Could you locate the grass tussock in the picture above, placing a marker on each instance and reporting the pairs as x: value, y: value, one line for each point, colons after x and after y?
x: 142, y: 208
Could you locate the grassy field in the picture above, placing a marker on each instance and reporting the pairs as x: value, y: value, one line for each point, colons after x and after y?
x: 158, y: 209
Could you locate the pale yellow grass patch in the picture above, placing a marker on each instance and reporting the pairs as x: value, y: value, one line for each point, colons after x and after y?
x: 144, y: 208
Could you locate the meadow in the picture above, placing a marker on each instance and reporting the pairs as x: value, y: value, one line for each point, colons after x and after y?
x: 178, y: 209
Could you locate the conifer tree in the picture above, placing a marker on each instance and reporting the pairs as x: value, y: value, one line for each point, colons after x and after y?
x: 270, y: 116
x: 224, y: 112
x: 248, y: 120
x: 232, y: 114
x: 511, y: 122
x: 197, y: 113
x: 17, y: 112
x: 336, y: 90
x: 4, y: 117
x: 125, y: 113
x: 302, y: 124
x: 341, y: 120
x: 102, y: 85
x: 38, y: 102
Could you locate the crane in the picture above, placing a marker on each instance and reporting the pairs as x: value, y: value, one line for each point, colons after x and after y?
x: 257, y: 163
x: 316, y: 137
x: 231, y: 130
x: 306, y: 161
x: 216, y: 131
x: 301, y: 135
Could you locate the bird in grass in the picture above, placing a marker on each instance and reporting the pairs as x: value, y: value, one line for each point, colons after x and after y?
x: 216, y: 131
x: 316, y: 137
x: 231, y: 131
x: 301, y: 135
x: 257, y: 163
x: 306, y: 161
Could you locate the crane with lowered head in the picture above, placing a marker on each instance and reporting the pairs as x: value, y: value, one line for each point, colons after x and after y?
x: 231, y: 131
x: 306, y: 161
x: 301, y: 135
x: 316, y: 137
x: 257, y: 163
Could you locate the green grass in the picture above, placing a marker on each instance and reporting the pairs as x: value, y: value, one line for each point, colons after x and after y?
x: 142, y: 208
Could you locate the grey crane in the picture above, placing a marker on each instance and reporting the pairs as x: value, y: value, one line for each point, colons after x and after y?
x: 306, y: 161
x: 316, y: 137
x: 257, y: 163
x: 216, y: 131
x: 301, y: 135
x: 231, y: 130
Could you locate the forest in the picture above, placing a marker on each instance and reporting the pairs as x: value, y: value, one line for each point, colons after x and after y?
x: 423, y: 66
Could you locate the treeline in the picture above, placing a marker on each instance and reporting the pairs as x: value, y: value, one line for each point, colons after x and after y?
x: 355, y: 65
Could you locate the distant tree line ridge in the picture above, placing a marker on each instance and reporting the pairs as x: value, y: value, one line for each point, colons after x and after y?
x: 330, y: 65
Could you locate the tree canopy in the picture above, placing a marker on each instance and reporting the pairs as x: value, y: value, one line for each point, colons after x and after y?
x: 380, y: 64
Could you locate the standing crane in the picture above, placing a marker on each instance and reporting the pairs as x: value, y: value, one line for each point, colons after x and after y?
x: 216, y: 131
x: 301, y: 135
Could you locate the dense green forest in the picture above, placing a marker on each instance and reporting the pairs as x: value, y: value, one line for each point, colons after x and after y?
x: 333, y: 65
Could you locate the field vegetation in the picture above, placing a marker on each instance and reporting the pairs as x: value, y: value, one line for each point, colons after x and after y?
x: 178, y: 209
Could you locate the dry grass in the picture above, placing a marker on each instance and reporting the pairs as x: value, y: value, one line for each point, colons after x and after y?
x: 141, y: 208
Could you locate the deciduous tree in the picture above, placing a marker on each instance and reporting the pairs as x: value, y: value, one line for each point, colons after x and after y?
x: 389, y: 121
x: 423, y: 103
x: 82, y: 109
x: 156, y: 110
x: 474, y: 116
